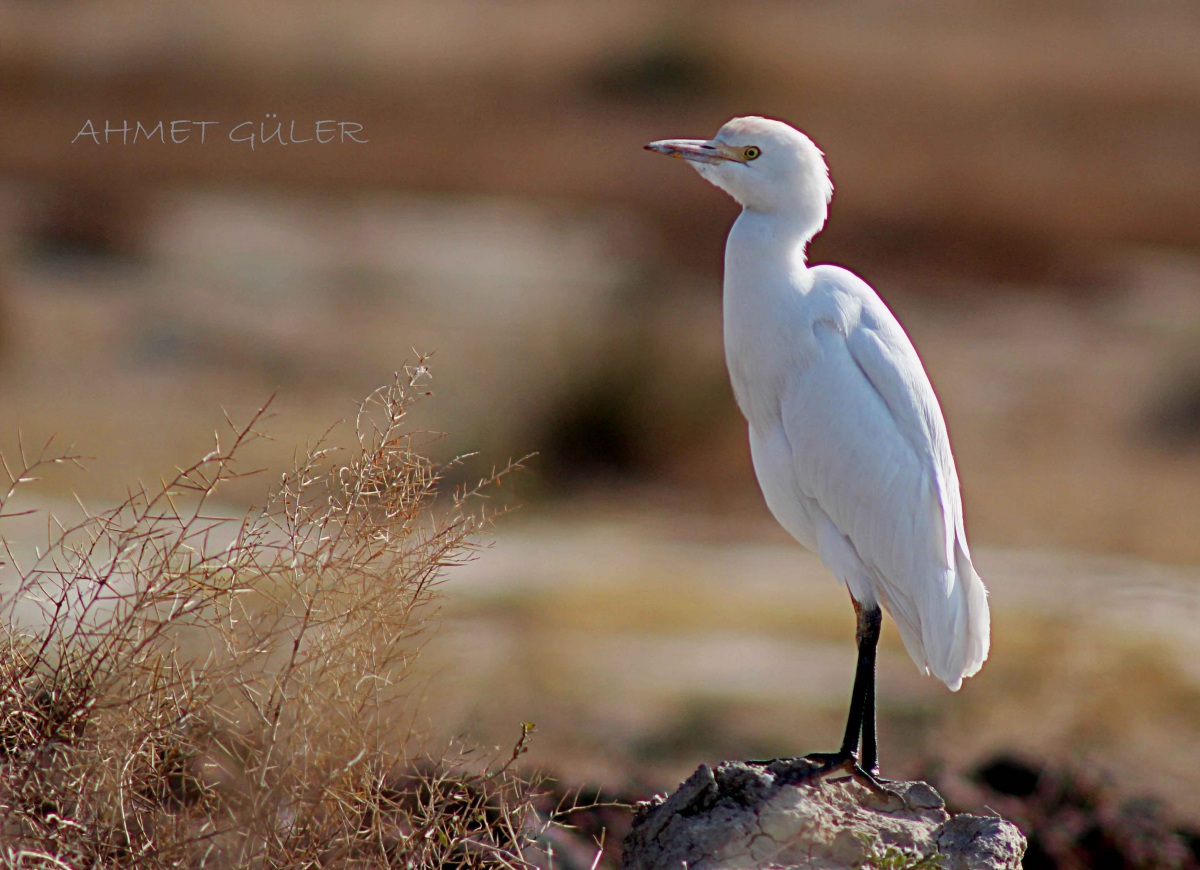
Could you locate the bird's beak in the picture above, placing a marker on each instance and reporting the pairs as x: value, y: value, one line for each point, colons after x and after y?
x: 696, y: 150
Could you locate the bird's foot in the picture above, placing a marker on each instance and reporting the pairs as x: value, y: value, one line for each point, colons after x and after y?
x: 830, y: 767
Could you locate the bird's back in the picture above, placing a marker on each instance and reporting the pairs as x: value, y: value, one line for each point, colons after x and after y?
x: 852, y: 453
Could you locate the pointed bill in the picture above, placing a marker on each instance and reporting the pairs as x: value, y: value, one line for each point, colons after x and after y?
x: 707, y: 151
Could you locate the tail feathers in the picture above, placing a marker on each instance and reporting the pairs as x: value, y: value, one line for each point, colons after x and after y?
x: 957, y: 634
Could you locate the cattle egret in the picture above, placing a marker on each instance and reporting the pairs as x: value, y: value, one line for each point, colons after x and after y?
x: 846, y: 435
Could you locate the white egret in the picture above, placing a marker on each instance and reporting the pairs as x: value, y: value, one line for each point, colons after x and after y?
x: 846, y: 434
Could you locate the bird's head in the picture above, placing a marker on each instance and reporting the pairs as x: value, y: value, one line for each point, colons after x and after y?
x: 765, y: 165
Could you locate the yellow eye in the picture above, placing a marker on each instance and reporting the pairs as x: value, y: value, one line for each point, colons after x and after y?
x: 750, y: 152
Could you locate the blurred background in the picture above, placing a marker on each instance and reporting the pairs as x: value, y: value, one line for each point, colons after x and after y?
x: 1020, y: 181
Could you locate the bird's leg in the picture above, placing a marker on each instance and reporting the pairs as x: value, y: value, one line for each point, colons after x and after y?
x: 867, y: 635
x: 860, y: 723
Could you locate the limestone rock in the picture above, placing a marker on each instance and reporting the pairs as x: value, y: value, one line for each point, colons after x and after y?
x: 775, y: 815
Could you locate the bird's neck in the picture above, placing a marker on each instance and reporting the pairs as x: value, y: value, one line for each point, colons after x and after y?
x: 767, y: 245
x: 765, y: 280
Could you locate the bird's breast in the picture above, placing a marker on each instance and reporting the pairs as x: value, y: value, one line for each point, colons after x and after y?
x: 766, y: 347
x: 768, y: 312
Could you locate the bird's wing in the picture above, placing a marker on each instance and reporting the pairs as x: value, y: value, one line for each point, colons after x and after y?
x: 870, y: 447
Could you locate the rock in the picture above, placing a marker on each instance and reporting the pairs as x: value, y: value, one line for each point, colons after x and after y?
x: 775, y: 815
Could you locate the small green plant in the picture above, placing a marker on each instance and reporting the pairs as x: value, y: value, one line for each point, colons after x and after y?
x: 901, y: 858
x: 183, y: 688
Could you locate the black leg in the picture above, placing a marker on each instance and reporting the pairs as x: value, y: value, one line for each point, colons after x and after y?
x: 867, y: 634
x: 861, y: 721
x: 860, y: 724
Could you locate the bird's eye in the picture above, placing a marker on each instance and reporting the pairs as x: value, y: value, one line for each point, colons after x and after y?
x: 750, y: 152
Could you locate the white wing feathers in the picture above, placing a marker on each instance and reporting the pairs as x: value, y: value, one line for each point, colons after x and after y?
x: 869, y: 446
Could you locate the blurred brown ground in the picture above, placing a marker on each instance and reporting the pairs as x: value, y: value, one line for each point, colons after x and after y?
x: 1020, y: 181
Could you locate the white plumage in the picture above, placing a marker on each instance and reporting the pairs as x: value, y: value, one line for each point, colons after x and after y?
x: 848, y: 441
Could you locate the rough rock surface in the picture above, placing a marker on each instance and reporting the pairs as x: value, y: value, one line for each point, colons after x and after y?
x: 748, y: 814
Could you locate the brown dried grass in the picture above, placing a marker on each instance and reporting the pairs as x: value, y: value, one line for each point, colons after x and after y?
x: 182, y: 688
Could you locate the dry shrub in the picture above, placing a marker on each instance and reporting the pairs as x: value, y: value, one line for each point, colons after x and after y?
x: 179, y: 688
